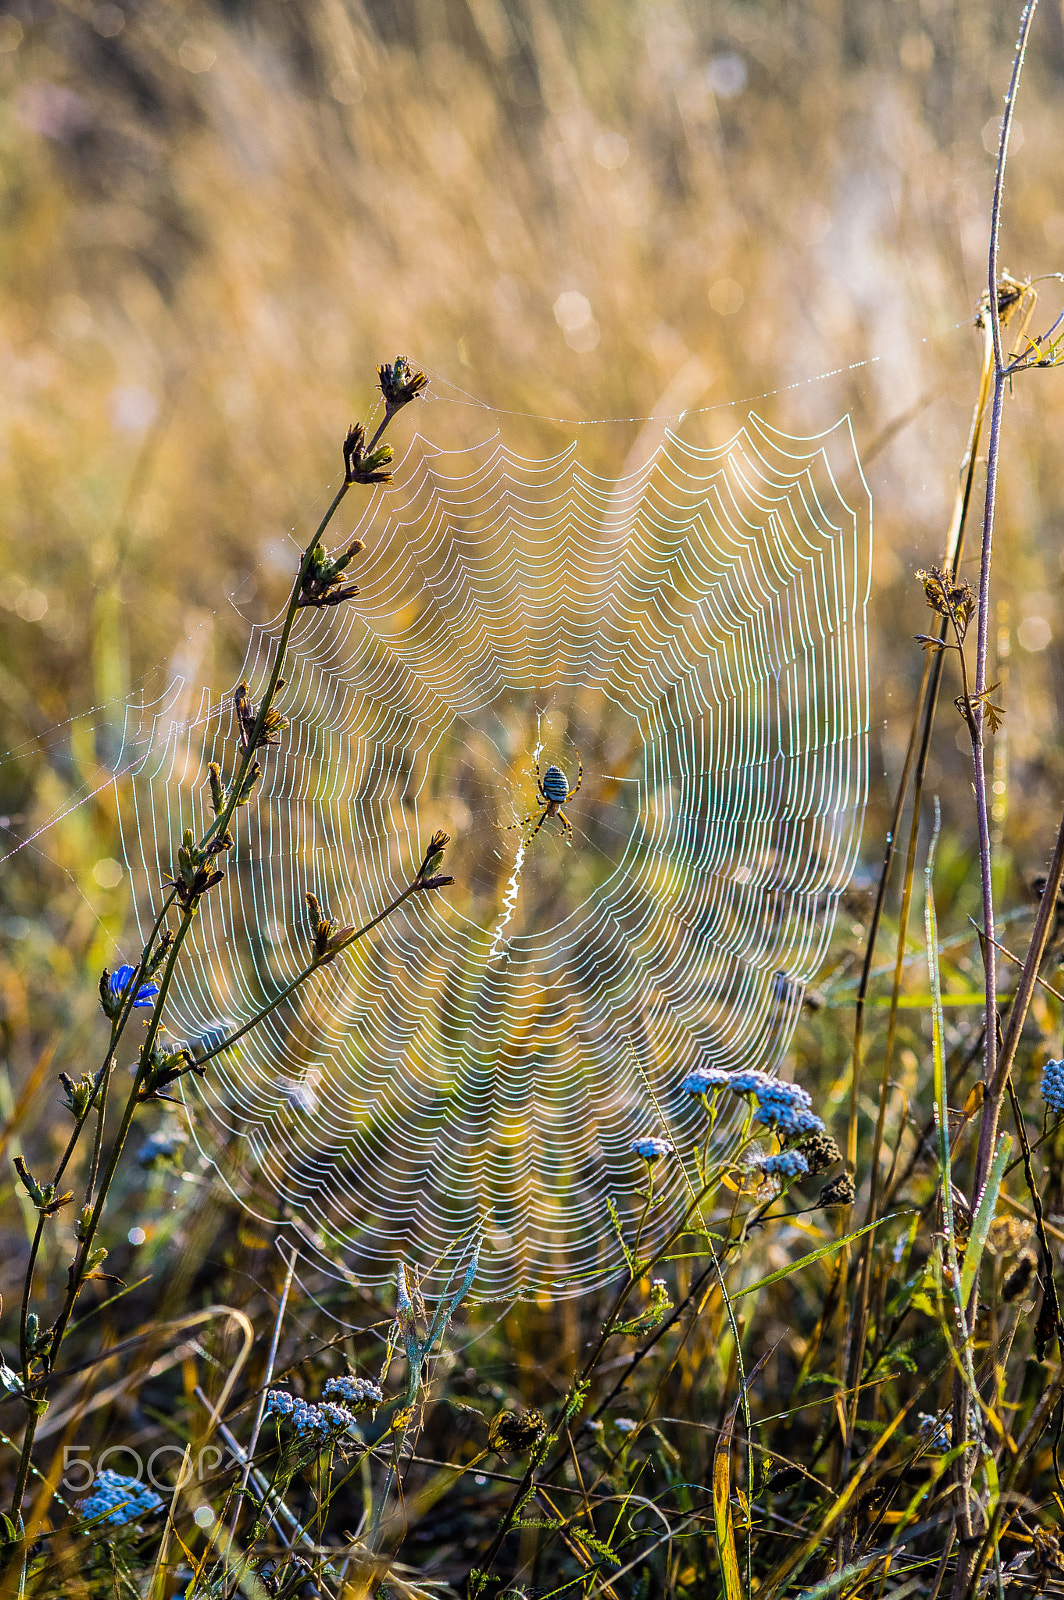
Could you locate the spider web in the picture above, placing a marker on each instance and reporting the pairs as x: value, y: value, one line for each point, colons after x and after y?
x: 694, y: 635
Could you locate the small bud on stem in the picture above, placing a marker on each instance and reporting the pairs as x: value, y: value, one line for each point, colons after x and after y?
x: 362, y: 465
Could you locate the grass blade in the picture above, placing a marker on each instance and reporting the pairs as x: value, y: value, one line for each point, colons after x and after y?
x: 814, y: 1255
x: 984, y: 1216
x: 723, y: 1529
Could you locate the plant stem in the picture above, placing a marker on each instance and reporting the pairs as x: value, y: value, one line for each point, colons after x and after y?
x: 308, y: 972
x: 991, y: 1077
x: 927, y: 706
x: 538, y: 1455
x: 217, y: 829
x: 223, y: 820
x: 976, y: 716
x: 993, y: 1087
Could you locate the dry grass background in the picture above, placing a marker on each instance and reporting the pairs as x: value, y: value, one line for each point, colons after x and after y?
x: 216, y: 219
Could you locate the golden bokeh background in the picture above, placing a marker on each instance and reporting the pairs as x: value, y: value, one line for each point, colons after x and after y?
x: 218, y: 218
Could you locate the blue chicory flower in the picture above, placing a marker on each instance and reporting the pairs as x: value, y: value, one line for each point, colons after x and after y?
x: 114, y: 986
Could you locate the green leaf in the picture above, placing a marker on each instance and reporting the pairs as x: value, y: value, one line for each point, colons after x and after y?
x: 815, y: 1255
x: 611, y: 1207
x: 984, y: 1216
x: 596, y: 1546
x: 10, y: 1379
x: 723, y: 1528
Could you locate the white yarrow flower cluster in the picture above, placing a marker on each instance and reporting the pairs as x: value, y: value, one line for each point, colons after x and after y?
x: 705, y: 1080
x: 652, y: 1149
x: 357, y: 1394
x: 313, y: 1424
x: 1053, y: 1085
x: 788, y: 1164
x: 786, y: 1107
x: 935, y: 1431
x: 118, y: 1499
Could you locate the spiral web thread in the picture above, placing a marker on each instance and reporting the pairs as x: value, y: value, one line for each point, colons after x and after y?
x: 479, y: 1065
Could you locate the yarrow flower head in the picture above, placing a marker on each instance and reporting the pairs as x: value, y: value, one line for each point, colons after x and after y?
x: 320, y: 1424
x: 786, y: 1094
x: 1053, y: 1085
x: 357, y: 1394
x: 117, y: 1499
x: 935, y: 1432
x: 113, y: 988
x: 751, y: 1082
x: 706, y: 1080
x: 651, y: 1150
x: 788, y: 1164
x: 790, y: 1121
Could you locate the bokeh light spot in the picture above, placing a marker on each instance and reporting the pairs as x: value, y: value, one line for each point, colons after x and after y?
x: 1034, y: 633
x: 108, y: 873
x: 726, y: 296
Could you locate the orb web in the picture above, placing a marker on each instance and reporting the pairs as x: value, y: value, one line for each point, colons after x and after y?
x: 693, y: 636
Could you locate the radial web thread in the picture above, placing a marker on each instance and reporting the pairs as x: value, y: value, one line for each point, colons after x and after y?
x: 480, y: 1064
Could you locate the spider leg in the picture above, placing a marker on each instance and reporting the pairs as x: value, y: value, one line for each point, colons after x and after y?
x: 519, y: 824
x: 579, y: 777
x: 539, y: 824
x: 568, y: 827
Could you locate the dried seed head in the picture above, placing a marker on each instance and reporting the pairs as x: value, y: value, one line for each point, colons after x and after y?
x: 820, y: 1151
x: 322, y: 582
x: 78, y: 1095
x: 247, y: 715
x: 839, y: 1192
x: 1010, y: 292
x: 947, y: 597
x: 1048, y: 1555
x: 515, y: 1432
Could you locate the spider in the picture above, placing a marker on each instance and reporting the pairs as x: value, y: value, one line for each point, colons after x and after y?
x: 553, y: 789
